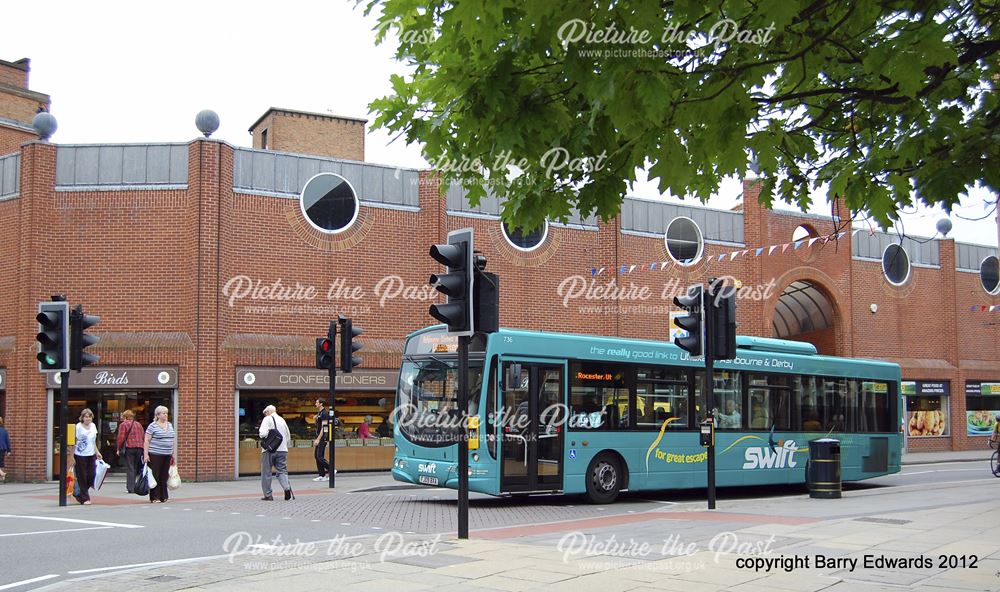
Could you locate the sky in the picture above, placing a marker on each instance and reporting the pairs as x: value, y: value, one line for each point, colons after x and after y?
x: 139, y: 72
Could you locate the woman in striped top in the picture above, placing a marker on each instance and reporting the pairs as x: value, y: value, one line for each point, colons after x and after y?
x: 159, y: 451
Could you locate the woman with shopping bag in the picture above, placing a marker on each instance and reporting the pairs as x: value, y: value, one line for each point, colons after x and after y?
x: 159, y: 451
x: 85, y: 456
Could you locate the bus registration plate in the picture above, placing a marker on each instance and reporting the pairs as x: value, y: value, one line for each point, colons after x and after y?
x: 428, y: 480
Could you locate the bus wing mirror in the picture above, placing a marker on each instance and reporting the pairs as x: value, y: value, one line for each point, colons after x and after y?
x: 512, y: 378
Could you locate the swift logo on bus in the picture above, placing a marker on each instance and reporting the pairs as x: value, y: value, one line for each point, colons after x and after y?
x: 428, y: 468
x: 761, y: 457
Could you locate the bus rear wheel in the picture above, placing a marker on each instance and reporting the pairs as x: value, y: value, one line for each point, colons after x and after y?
x: 604, y: 479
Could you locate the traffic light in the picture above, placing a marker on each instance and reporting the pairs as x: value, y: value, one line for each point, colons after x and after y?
x: 324, y: 353
x: 486, y: 303
x: 456, y: 284
x: 348, y: 345
x: 694, y: 302
x: 53, y: 336
x: 722, y: 307
x: 80, y: 322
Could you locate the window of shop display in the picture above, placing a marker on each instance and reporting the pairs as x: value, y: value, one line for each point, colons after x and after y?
x: 299, y: 411
x: 107, y: 407
x: 926, y: 408
x: 982, y: 403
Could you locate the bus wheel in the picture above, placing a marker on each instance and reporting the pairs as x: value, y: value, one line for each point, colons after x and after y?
x: 604, y: 479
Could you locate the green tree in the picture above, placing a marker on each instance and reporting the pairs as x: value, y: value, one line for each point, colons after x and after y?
x: 555, y: 104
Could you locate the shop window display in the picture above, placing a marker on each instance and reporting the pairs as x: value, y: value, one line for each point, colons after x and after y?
x: 299, y: 412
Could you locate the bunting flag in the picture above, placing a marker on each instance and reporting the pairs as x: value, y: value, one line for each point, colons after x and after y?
x: 732, y: 255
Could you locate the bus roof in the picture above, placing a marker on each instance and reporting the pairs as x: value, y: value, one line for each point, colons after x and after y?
x: 753, y: 353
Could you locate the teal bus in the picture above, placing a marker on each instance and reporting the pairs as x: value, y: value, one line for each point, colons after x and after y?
x: 584, y: 414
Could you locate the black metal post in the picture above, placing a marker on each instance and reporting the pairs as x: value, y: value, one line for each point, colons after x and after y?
x: 709, y: 344
x: 63, y: 433
x: 710, y: 394
x: 332, y: 336
x: 463, y: 442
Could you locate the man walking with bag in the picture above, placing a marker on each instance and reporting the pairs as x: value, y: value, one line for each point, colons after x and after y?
x: 274, y: 446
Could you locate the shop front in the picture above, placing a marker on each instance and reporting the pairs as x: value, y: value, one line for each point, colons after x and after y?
x: 982, y: 404
x: 108, y: 392
x: 362, y: 394
x: 927, y: 408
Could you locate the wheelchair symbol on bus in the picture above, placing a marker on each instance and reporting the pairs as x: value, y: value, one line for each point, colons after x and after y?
x: 572, y: 453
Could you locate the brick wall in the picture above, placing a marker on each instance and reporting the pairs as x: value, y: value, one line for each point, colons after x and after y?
x: 11, y: 139
x: 312, y: 133
x: 186, y: 261
x: 14, y: 73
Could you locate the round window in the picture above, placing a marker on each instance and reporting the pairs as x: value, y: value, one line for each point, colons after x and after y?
x: 988, y: 274
x: 329, y: 203
x: 803, y: 232
x: 684, y: 241
x: 525, y: 241
x: 896, y: 265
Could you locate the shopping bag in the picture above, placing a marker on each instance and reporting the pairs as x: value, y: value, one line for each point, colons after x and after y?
x: 141, y: 486
x: 100, y: 473
x: 150, y: 479
x: 174, y: 478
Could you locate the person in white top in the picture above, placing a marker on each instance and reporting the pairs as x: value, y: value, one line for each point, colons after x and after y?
x: 277, y: 459
x: 85, y: 455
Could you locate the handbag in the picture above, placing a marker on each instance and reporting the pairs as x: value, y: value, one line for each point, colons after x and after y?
x: 273, y: 439
x: 174, y: 478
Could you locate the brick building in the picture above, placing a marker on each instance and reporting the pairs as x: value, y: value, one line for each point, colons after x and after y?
x: 213, y: 278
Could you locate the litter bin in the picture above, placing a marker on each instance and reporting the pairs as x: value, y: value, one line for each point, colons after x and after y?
x: 823, y: 470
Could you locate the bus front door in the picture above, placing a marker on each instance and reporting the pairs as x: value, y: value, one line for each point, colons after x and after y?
x: 532, y: 427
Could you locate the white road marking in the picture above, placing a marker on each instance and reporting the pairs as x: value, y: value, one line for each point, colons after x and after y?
x: 74, y: 521
x: 31, y: 581
x: 13, y: 534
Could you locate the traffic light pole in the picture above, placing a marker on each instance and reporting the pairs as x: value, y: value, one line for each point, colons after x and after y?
x: 709, y: 344
x: 63, y: 434
x: 463, y: 442
x: 710, y: 394
x: 332, y: 336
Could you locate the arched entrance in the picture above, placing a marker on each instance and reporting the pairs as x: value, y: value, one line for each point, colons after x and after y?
x: 805, y: 312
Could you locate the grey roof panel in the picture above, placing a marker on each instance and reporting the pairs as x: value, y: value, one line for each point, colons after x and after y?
x: 110, y: 161
x: 87, y: 161
x: 158, y: 164
x: 373, y: 184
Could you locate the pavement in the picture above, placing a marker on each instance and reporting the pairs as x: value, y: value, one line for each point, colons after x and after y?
x: 929, y: 537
